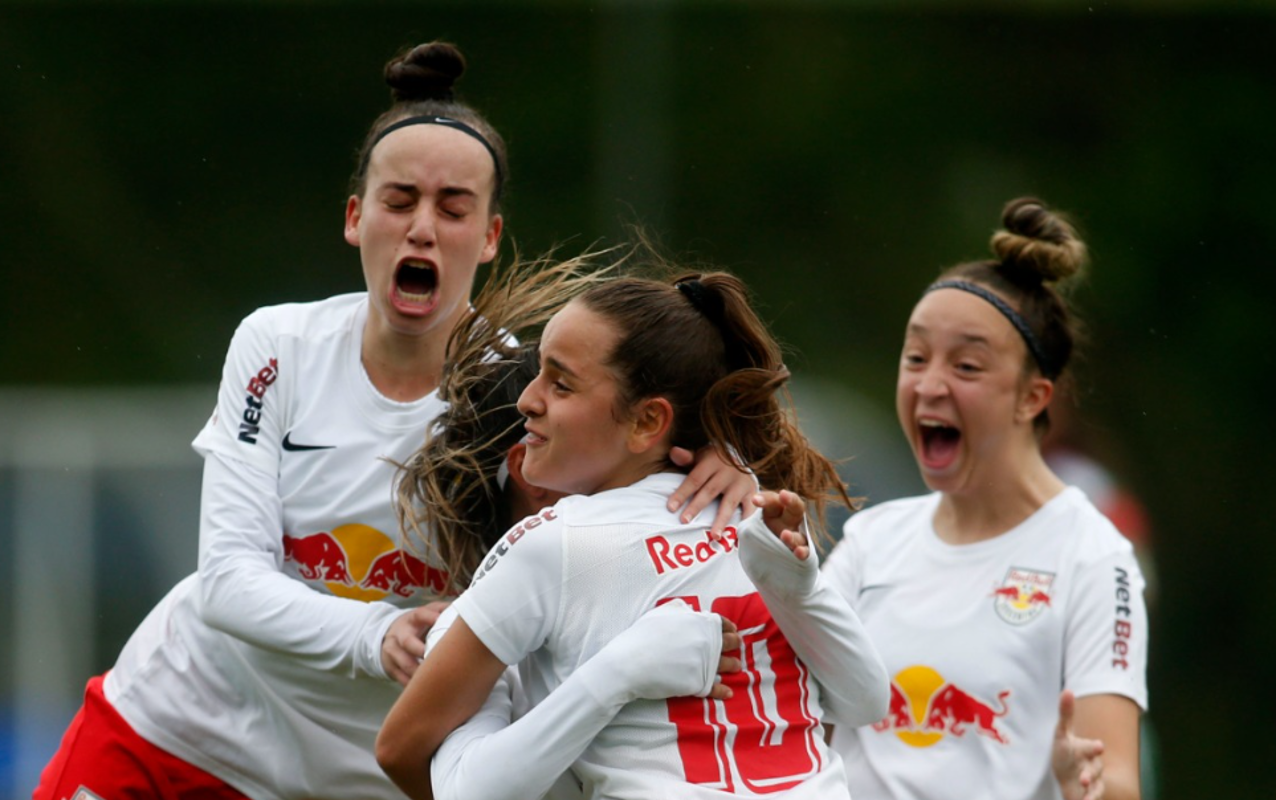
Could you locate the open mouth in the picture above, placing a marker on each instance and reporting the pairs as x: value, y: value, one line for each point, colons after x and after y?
x: 939, y: 443
x: 416, y: 281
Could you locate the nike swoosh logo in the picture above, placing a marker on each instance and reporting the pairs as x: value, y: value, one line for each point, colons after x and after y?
x: 290, y: 446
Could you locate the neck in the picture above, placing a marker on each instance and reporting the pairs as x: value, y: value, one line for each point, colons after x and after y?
x: 999, y: 503
x: 403, y: 368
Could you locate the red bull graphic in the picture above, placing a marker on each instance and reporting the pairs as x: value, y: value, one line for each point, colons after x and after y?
x: 924, y: 707
x: 318, y: 557
x: 402, y: 573
x: 1023, y: 595
x: 360, y: 562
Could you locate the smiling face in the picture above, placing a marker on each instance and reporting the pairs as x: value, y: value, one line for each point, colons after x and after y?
x: 577, y: 442
x: 422, y: 226
x: 963, y: 398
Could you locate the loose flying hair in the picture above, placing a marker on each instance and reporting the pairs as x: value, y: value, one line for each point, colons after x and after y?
x: 697, y: 342
x: 449, y: 499
x: 421, y: 82
x: 1037, y: 251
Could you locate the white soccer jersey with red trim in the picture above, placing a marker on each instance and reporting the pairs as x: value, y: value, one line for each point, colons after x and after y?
x: 265, y: 668
x: 980, y: 639
x: 564, y: 583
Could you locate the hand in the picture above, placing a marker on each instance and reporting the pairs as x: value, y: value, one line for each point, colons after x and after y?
x: 1077, y: 762
x: 712, y: 477
x: 727, y: 664
x: 404, y: 644
x: 784, y: 512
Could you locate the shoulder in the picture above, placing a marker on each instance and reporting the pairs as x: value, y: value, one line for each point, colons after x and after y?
x: 532, y: 539
x: 642, y: 502
x: 1093, y: 535
x: 305, y: 320
x: 892, y: 517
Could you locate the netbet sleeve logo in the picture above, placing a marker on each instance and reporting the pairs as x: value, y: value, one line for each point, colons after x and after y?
x: 508, y: 540
x: 250, y: 424
x: 925, y: 708
x: 360, y: 562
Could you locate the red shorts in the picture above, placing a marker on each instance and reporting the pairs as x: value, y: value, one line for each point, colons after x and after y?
x: 101, y: 756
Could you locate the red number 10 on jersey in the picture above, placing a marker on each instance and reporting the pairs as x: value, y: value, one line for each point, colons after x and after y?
x: 765, y: 737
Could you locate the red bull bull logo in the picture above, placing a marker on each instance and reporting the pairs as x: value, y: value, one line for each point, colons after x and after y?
x: 361, y: 563
x: 924, y: 707
x: 1023, y: 595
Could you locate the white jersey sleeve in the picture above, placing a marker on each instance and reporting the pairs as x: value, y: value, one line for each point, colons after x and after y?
x: 1106, y: 634
x: 249, y: 422
x: 843, y: 567
x: 671, y: 651
x: 244, y: 594
x: 819, y: 624
x: 514, y: 613
x: 241, y: 549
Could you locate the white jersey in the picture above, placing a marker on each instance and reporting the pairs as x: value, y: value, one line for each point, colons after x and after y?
x: 979, y: 641
x: 565, y: 582
x: 264, y: 668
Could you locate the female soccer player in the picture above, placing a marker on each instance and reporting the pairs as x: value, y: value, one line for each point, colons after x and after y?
x: 460, y: 493
x: 1003, y: 587
x: 625, y: 369
x: 268, y: 672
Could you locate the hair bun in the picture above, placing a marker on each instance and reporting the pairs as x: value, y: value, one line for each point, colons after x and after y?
x: 1037, y: 243
x: 426, y: 72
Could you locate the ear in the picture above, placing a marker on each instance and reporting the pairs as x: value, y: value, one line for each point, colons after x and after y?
x: 535, y: 497
x: 1034, y: 398
x: 650, y: 424
x: 354, y: 212
x: 492, y: 238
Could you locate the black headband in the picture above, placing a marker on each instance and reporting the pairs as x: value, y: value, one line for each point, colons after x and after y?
x: 1016, y: 319
x: 447, y: 122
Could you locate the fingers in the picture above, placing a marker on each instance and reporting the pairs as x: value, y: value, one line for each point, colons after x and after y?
x: 731, y: 640
x: 781, y: 510
x: 428, y: 614
x: 1067, y: 707
x: 690, y: 490
x: 681, y: 457
x: 727, y: 664
x: 400, y: 664
x: 797, y: 544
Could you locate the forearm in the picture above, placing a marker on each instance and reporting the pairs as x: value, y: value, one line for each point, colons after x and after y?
x: 246, y: 596
x: 822, y: 628
x: 538, y: 748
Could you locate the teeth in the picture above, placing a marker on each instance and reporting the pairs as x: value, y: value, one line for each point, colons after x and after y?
x: 930, y: 423
x: 413, y: 297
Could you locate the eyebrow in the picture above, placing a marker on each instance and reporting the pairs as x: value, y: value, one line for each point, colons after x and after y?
x: 410, y: 188
x: 560, y: 367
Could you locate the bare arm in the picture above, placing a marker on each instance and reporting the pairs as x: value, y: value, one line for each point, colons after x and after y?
x: 450, y: 686
x: 1096, y: 747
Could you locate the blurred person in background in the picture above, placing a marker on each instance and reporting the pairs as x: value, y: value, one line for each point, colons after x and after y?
x: 268, y: 672
x: 1008, y: 609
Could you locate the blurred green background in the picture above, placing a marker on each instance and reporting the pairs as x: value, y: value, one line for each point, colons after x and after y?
x: 168, y: 167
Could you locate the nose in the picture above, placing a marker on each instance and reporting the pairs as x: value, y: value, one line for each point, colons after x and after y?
x: 931, y: 383
x: 529, y: 404
x: 421, y: 231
